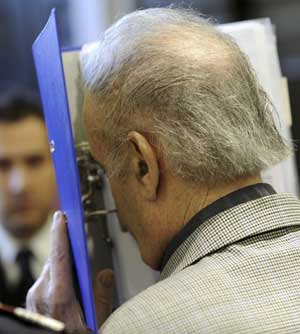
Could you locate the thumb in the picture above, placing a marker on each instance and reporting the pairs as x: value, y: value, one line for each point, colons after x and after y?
x: 103, y: 289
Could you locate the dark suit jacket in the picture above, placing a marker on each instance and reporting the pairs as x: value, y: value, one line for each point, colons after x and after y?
x: 9, y: 294
x: 3, y: 289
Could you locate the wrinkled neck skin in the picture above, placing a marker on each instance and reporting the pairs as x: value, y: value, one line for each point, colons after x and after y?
x: 179, y: 203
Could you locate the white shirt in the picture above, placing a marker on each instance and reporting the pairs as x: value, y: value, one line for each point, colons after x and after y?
x: 39, y: 245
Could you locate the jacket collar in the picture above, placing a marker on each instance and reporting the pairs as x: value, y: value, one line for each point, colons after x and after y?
x: 241, y: 221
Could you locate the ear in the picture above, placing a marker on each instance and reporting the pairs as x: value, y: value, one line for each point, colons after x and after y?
x: 144, y: 162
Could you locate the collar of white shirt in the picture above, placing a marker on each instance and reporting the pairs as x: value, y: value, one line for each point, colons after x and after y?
x: 39, y: 244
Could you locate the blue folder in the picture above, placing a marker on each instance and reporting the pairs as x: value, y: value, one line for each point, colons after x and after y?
x: 49, y: 68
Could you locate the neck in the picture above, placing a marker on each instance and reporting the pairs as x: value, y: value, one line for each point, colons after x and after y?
x: 200, y: 197
x: 179, y: 202
x: 184, y: 201
x: 219, y: 191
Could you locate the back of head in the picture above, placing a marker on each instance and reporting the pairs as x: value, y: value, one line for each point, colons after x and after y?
x: 172, y: 75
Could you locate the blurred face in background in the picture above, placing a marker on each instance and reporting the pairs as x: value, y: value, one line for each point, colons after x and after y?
x: 27, y: 181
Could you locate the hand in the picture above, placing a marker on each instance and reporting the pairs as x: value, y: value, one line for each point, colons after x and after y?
x: 53, y: 293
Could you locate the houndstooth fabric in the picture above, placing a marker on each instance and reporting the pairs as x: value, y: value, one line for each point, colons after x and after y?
x: 238, y: 272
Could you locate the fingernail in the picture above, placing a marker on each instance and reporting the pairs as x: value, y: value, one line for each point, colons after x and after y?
x: 57, y: 216
x: 107, y: 280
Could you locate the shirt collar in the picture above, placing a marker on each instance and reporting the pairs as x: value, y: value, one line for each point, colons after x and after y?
x: 39, y: 244
x: 8, y: 246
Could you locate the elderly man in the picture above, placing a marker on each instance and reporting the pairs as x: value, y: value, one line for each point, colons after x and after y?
x: 176, y: 117
x: 27, y: 195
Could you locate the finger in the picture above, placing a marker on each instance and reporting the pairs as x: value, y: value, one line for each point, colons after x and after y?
x: 36, y: 300
x: 45, y: 273
x: 60, y: 261
x: 103, y: 290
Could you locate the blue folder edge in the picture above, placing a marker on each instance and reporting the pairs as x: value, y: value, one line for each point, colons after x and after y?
x: 48, y: 63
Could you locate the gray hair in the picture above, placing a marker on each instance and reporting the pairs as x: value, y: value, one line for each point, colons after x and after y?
x: 172, y: 75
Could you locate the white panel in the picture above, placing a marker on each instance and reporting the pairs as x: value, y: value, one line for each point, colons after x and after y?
x: 257, y: 39
x: 72, y: 76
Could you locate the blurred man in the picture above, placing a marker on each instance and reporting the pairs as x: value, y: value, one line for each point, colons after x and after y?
x: 27, y: 195
x: 176, y: 116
